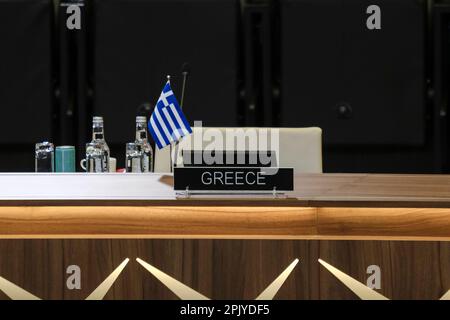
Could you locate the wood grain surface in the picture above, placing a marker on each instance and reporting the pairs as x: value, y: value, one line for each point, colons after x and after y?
x: 232, y: 248
x: 323, y: 206
x: 230, y: 222
x: 383, y: 223
x: 350, y: 190
x: 155, y: 221
x: 226, y: 269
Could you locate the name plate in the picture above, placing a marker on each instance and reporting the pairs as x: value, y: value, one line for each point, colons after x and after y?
x: 233, y: 179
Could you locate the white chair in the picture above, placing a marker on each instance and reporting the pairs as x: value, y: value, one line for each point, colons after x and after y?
x: 299, y: 148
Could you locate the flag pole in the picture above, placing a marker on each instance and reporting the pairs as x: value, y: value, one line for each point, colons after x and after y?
x: 170, y: 157
x: 183, y: 88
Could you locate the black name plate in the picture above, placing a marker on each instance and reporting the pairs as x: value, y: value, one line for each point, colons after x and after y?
x: 233, y: 179
x: 222, y: 158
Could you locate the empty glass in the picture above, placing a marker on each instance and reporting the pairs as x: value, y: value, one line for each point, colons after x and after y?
x: 44, y: 159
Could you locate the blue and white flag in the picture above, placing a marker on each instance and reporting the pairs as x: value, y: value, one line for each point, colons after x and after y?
x: 167, y: 123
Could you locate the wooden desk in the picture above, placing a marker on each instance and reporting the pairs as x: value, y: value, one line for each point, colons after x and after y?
x: 226, y: 248
x: 323, y: 206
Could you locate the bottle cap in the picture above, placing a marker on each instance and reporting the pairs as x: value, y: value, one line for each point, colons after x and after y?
x: 97, y: 119
x: 141, y: 119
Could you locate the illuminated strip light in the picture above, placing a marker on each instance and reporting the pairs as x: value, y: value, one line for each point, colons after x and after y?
x: 275, y: 286
x: 361, y: 290
x: 15, y: 292
x: 446, y: 296
x: 181, y: 290
x: 184, y: 292
x: 100, y: 292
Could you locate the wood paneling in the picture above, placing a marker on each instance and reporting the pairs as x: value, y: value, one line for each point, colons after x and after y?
x: 155, y: 221
x: 382, y: 207
x: 95, y: 260
x: 323, y: 206
x: 353, y: 258
x: 226, y: 269
x: 36, y: 266
x: 225, y: 222
x: 412, y: 261
x: 384, y: 223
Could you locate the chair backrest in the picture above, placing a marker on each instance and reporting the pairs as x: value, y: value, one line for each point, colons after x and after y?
x: 299, y: 148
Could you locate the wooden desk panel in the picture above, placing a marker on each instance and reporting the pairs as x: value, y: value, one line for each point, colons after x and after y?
x: 383, y: 223
x: 370, y: 190
x: 157, y: 222
x: 262, y: 236
x: 323, y: 206
x: 230, y: 222
x: 226, y: 269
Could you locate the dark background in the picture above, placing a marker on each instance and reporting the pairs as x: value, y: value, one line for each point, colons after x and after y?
x: 380, y: 96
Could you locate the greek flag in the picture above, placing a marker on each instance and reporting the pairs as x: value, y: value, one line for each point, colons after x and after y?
x: 167, y: 123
